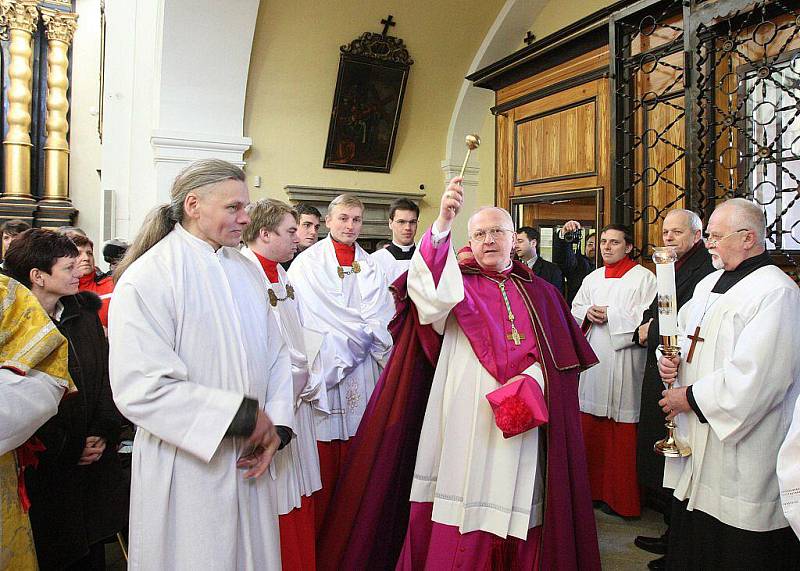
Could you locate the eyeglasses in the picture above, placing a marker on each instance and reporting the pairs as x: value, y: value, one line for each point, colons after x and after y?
x: 712, y: 241
x: 495, y: 233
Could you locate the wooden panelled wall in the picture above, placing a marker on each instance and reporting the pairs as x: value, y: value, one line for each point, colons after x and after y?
x: 554, y: 130
x: 557, y: 138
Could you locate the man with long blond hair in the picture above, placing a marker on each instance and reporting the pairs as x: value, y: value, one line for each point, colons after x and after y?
x: 346, y: 294
x: 199, y: 365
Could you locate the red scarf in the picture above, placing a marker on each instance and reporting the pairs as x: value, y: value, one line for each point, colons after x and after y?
x: 270, y: 268
x: 619, y: 269
x: 344, y: 254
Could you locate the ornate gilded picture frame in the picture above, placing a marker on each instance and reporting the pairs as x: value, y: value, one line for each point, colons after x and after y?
x: 373, y: 71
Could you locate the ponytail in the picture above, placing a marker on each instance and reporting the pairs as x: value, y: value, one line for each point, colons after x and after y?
x: 156, y: 226
x: 198, y: 176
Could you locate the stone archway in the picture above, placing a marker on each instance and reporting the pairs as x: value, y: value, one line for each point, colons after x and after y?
x: 472, y: 104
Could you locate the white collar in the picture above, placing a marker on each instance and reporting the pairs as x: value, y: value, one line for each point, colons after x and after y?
x: 59, y: 311
x: 404, y: 248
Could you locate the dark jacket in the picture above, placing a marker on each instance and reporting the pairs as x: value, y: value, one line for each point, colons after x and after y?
x: 73, y: 507
x: 651, y: 418
x: 574, y: 265
x: 548, y: 271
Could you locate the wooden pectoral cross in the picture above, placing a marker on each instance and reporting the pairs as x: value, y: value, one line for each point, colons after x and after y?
x: 695, y: 340
x: 515, y: 336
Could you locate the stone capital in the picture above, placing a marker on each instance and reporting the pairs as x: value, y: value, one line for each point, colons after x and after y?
x: 19, y: 15
x: 60, y: 26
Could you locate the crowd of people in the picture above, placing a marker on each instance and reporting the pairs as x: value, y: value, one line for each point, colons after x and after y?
x: 300, y: 403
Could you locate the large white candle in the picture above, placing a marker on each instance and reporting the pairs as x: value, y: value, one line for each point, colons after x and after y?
x: 667, y: 296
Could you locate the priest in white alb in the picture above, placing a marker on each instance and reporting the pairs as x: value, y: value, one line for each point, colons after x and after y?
x: 272, y: 238
x: 198, y: 363
x: 789, y: 472
x: 737, y: 383
x: 395, y: 258
x: 609, y: 305
x: 483, y: 496
x: 345, y: 294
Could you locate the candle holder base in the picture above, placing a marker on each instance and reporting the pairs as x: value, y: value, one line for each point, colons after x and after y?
x: 669, y: 447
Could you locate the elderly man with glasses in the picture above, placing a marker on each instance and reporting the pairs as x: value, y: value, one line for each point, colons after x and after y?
x: 509, y: 362
x: 737, y: 382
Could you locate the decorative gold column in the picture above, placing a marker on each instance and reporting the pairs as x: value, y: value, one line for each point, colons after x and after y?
x: 55, y: 208
x: 20, y: 17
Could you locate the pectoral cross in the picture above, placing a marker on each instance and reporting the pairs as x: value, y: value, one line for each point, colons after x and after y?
x: 695, y: 339
x: 515, y: 335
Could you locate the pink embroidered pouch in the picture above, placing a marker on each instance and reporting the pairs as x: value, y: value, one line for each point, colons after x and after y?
x: 518, y: 406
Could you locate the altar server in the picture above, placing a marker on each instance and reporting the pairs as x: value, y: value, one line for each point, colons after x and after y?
x: 789, y: 472
x: 272, y: 238
x: 345, y: 294
x: 609, y: 305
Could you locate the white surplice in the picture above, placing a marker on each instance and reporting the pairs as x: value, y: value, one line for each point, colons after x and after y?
x: 475, y: 478
x: 354, y: 311
x: 391, y: 266
x: 297, y: 465
x: 191, y: 335
x: 744, y: 380
x: 613, y: 389
x: 789, y: 472
x: 26, y: 402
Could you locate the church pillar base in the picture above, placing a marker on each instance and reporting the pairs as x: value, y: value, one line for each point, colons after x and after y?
x: 55, y: 212
x: 17, y: 207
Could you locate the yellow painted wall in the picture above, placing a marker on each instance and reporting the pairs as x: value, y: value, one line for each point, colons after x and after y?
x: 293, y: 69
x: 557, y: 14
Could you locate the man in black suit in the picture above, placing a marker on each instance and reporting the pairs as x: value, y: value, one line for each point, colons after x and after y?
x: 527, y: 248
x: 682, y: 230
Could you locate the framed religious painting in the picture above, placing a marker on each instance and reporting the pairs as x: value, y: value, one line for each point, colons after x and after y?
x: 373, y: 72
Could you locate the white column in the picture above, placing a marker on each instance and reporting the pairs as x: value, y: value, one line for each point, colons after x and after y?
x: 175, y: 82
x: 470, y: 185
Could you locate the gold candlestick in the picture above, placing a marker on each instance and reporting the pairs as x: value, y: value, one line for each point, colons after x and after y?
x: 472, y: 141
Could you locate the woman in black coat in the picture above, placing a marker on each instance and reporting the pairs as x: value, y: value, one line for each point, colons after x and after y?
x: 78, y: 491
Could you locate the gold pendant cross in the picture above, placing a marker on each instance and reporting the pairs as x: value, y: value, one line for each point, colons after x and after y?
x: 695, y: 339
x: 515, y: 336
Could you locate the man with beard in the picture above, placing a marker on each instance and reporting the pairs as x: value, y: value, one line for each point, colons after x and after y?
x: 735, y: 386
x: 683, y: 231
